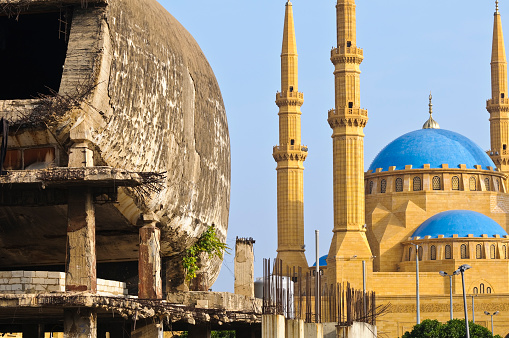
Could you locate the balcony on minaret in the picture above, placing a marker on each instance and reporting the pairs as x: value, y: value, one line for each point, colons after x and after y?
x: 290, y: 152
x: 337, y: 54
x: 348, y: 112
x: 497, y: 101
x: 289, y: 98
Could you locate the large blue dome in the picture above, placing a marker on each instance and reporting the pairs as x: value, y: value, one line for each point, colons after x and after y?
x: 459, y: 222
x: 431, y: 146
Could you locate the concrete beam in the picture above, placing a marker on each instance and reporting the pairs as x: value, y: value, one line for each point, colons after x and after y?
x: 81, y: 272
x: 80, y: 323
x: 149, y: 263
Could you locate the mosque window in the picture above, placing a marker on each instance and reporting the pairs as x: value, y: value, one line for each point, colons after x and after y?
x: 433, y: 253
x: 455, y: 183
x: 399, y: 184
x: 504, y: 251
x: 488, y: 290
x: 350, y: 104
x: 349, y: 43
x: 463, y: 251
x: 291, y: 89
x: 487, y: 183
x: 292, y: 142
x: 504, y: 146
x: 448, y: 253
x: 492, y: 251
x: 383, y: 186
x: 472, y: 183
x: 410, y: 253
x: 502, y: 95
x: 421, y: 251
x: 436, y: 183
x: 478, y: 251
x: 481, y: 288
x: 417, y: 183
x: 371, y: 187
x: 476, y: 290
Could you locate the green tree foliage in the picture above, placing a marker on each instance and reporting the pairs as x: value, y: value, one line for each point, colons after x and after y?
x: 452, y: 329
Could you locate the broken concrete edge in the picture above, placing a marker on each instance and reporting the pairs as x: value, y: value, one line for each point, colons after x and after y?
x: 131, y: 307
x: 86, y: 175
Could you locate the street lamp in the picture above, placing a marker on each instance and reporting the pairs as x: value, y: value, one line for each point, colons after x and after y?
x: 489, y: 314
x: 445, y: 274
x: 417, y: 300
x: 462, y: 270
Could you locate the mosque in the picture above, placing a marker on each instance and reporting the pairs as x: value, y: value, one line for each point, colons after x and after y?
x: 431, y: 194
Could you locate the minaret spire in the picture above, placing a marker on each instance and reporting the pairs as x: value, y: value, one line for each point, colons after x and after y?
x: 349, y: 245
x: 498, y: 105
x: 430, y: 124
x: 290, y: 155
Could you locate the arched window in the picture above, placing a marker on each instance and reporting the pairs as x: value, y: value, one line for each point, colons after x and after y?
x: 487, y: 183
x: 436, y: 183
x: 478, y: 251
x: 433, y: 252
x: 492, y: 251
x: 399, y: 184
x: 472, y: 183
x: 417, y: 183
x: 455, y: 183
x: 504, y: 251
x: 383, y: 186
x: 448, y: 253
x: 421, y: 250
x: 476, y: 290
x: 463, y: 251
x: 371, y: 187
x: 481, y: 288
x: 488, y: 290
x: 410, y: 253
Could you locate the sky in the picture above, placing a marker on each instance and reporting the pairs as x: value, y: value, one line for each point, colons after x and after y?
x: 410, y: 49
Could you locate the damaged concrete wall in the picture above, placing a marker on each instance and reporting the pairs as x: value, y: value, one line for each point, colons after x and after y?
x: 151, y: 103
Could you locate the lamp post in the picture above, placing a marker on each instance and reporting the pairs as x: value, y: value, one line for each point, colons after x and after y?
x: 417, y: 299
x: 445, y: 274
x: 462, y: 270
x: 489, y: 314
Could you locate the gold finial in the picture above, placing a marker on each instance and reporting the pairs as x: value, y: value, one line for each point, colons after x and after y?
x: 431, y: 124
x: 496, y: 3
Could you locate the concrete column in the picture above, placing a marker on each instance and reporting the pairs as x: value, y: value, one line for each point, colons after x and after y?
x: 294, y: 328
x: 313, y: 330
x: 149, y: 263
x: 80, y: 323
x: 244, y: 267
x: 273, y: 326
x: 149, y: 331
x: 198, y: 331
x: 81, y: 272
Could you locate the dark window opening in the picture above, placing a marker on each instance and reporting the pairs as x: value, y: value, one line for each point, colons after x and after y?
x: 291, y: 89
x: 504, y: 146
x: 349, y: 43
x: 292, y: 142
x: 502, y: 95
x: 350, y: 104
x: 32, y: 54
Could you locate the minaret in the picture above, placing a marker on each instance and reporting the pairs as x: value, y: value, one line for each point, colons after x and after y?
x: 498, y: 105
x: 290, y: 155
x: 349, y: 245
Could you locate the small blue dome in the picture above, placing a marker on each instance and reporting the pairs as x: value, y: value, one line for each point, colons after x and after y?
x: 459, y: 222
x: 431, y: 146
x: 322, y: 260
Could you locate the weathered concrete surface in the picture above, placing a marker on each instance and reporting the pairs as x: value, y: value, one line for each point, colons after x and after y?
x: 244, y: 267
x: 216, y: 300
x: 139, y: 86
x: 149, y: 331
x: 273, y: 326
x: 149, y: 264
x: 357, y: 330
x: 80, y: 323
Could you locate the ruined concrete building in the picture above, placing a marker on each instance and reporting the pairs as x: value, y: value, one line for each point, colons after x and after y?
x: 117, y: 160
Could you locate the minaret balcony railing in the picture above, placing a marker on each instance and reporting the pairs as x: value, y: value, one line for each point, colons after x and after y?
x: 348, y: 112
x: 342, y: 50
x: 286, y: 94
x: 289, y: 147
x: 492, y: 102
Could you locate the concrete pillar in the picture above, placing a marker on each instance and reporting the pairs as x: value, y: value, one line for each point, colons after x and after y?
x: 244, y: 267
x: 294, y: 328
x: 80, y: 323
x: 33, y: 330
x: 149, y: 331
x: 313, y: 330
x: 198, y: 331
x: 273, y: 326
x: 81, y: 272
x: 149, y: 263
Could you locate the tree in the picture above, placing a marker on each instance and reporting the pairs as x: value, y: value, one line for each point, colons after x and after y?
x: 452, y: 329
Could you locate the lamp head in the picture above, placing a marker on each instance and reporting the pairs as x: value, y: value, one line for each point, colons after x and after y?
x: 464, y: 267
x: 487, y: 313
x: 443, y: 273
x: 457, y: 272
x: 495, y: 313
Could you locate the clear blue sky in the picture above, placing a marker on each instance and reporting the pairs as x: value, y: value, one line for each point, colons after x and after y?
x: 410, y: 48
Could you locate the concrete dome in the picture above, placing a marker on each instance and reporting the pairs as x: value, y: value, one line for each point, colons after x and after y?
x: 431, y: 146
x: 459, y: 222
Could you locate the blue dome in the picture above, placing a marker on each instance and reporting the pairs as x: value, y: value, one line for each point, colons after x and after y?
x: 461, y: 223
x: 431, y: 146
x: 322, y: 260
